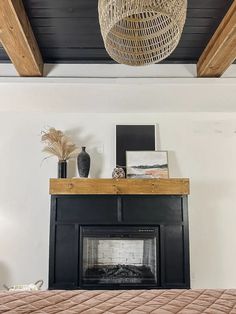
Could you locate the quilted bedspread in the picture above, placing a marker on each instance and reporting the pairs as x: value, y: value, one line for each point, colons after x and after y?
x: 120, y: 302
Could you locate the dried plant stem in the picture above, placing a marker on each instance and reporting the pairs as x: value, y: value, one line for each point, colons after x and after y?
x: 58, y: 144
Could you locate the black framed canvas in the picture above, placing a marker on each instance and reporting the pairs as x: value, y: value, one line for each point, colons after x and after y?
x: 133, y: 138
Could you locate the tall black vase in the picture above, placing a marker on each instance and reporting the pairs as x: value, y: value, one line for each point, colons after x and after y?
x: 62, y: 169
x: 83, y: 163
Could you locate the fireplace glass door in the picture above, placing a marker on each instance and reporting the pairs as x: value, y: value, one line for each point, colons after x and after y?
x: 119, y: 255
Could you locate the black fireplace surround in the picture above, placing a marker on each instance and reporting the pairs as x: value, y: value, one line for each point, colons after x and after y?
x: 119, y: 242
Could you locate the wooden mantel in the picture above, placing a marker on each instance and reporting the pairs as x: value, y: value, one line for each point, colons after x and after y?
x: 119, y: 186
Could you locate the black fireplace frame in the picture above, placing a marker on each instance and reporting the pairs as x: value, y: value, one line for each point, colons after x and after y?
x: 167, y: 212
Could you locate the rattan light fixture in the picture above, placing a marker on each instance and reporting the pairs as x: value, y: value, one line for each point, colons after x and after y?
x: 140, y: 32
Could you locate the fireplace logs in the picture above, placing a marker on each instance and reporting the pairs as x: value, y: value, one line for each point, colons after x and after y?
x: 119, y: 273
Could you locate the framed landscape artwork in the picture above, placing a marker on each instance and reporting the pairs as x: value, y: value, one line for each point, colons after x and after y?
x: 147, y: 164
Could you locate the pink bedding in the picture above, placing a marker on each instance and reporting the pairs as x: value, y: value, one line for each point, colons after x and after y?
x: 120, y: 302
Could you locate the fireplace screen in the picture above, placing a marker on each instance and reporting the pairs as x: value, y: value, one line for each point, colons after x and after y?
x: 119, y: 255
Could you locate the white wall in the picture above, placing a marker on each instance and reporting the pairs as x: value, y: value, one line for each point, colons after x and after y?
x: 197, y: 124
x: 202, y: 147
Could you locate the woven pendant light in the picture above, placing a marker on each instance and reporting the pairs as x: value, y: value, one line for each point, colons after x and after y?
x: 139, y: 32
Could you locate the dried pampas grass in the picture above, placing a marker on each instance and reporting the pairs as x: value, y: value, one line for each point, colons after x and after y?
x: 58, y: 144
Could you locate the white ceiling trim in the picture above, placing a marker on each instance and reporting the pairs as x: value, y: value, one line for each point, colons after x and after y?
x: 118, y: 95
x: 113, y: 71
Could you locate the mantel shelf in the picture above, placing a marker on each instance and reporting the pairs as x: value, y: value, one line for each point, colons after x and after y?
x: 173, y: 186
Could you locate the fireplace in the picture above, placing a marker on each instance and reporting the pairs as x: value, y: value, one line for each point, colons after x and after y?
x: 109, y: 240
x: 119, y: 256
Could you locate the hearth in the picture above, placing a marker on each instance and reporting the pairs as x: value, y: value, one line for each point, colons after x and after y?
x: 119, y: 255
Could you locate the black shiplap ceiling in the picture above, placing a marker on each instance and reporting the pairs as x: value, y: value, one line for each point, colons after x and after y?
x: 68, y: 31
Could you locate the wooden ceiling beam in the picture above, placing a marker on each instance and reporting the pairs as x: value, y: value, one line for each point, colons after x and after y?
x: 220, y: 52
x: 18, y: 39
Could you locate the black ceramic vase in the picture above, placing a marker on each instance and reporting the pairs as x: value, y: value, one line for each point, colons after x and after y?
x: 62, y: 169
x: 83, y: 162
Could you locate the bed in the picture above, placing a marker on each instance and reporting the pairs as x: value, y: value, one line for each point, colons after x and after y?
x: 119, y: 302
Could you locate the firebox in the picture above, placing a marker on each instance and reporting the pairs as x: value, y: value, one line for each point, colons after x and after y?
x: 120, y: 256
